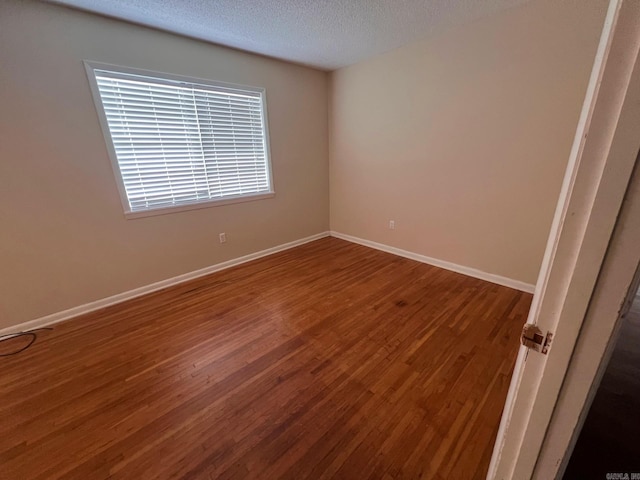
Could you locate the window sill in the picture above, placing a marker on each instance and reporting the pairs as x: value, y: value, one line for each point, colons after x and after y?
x: 196, y: 206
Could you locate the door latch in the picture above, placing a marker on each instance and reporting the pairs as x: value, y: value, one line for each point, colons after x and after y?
x: 533, y: 338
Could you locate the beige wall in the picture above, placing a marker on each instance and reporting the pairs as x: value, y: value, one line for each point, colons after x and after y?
x: 463, y: 139
x: 64, y: 240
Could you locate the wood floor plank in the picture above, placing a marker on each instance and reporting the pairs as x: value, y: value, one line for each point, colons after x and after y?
x: 329, y: 360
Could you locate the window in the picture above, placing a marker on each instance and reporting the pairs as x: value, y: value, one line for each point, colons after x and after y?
x: 179, y: 142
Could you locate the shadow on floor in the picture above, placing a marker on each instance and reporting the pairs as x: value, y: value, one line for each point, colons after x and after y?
x: 610, y: 439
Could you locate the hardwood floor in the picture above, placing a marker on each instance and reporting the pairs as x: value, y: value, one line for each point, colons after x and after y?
x: 330, y: 360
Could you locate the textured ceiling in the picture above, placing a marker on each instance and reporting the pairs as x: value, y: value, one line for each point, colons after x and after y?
x: 326, y: 34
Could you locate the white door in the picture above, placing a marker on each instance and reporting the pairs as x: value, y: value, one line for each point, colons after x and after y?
x: 598, y: 173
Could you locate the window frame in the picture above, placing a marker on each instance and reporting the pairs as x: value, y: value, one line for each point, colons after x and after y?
x: 172, y: 79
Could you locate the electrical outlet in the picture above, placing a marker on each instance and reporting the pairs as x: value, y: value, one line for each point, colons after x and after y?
x: 223, y: 237
x: 392, y: 224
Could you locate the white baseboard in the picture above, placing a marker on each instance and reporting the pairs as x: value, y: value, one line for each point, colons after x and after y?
x: 471, y: 272
x: 137, y: 292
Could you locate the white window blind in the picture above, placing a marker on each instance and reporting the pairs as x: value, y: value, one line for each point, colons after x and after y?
x: 179, y: 143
